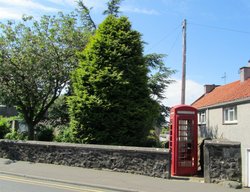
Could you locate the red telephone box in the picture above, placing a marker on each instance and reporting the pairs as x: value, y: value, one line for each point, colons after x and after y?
x: 183, y: 140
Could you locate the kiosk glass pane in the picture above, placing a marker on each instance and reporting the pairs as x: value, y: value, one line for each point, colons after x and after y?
x: 185, y: 138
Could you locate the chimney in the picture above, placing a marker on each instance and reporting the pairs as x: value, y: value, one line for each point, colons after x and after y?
x: 209, y: 88
x: 245, y: 72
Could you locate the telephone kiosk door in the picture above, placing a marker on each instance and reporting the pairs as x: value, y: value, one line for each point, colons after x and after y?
x: 183, y: 140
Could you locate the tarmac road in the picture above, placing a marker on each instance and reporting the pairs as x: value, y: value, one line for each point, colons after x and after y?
x: 96, y: 179
x: 10, y: 183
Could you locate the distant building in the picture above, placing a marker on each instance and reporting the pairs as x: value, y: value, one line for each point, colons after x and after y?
x: 7, y: 111
x: 224, y: 112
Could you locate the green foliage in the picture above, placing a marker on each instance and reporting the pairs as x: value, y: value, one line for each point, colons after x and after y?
x: 111, y: 103
x: 7, y: 133
x: 65, y: 135
x: 58, y: 112
x: 113, y: 8
x: 5, y: 126
x: 163, y: 114
x: 159, y: 80
x: 159, y: 75
x: 164, y: 130
x: 36, y: 58
x: 85, y: 16
x: 45, y: 131
x: 15, y: 135
x: 152, y: 140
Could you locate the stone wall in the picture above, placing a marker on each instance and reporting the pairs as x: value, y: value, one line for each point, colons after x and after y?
x: 145, y: 161
x: 222, y: 162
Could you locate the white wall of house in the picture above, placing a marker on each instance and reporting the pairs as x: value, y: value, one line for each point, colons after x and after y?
x: 243, y: 135
x: 238, y: 131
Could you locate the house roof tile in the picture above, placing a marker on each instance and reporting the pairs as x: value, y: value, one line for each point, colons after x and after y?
x: 227, y: 93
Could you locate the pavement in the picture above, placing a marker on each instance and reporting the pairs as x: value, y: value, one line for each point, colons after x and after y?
x: 108, y: 179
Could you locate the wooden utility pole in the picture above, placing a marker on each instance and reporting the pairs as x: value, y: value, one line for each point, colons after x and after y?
x: 183, y: 83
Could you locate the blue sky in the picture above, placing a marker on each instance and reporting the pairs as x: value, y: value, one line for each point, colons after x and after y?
x: 218, y: 34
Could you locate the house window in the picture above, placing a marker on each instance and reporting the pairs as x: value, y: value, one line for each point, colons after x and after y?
x: 230, y: 115
x: 202, y: 117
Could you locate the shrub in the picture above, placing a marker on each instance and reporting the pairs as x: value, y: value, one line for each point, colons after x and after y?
x: 65, y: 135
x: 5, y: 126
x: 152, y: 140
x: 14, y: 135
x: 45, y: 132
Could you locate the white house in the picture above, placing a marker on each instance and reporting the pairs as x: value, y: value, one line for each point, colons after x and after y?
x: 224, y: 112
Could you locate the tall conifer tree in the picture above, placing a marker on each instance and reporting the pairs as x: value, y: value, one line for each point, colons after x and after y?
x: 111, y: 101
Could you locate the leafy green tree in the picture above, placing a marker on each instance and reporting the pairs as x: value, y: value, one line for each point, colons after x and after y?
x: 58, y: 112
x: 111, y: 102
x: 36, y: 59
x: 159, y: 75
x: 85, y: 16
x: 113, y: 8
x: 159, y: 80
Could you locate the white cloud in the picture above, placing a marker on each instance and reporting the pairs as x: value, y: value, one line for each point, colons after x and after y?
x: 14, y: 9
x: 9, y: 14
x: 173, y: 93
x: 72, y: 3
x: 139, y: 10
x: 59, y: 2
x: 96, y: 4
x: 27, y: 4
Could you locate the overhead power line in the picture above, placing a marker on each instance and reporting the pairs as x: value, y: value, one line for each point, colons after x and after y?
x: 173, y: 31
x: 174, y: 43
x: 220, y: 28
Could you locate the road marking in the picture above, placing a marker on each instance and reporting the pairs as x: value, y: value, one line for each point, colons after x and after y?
x: 48, y: 184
